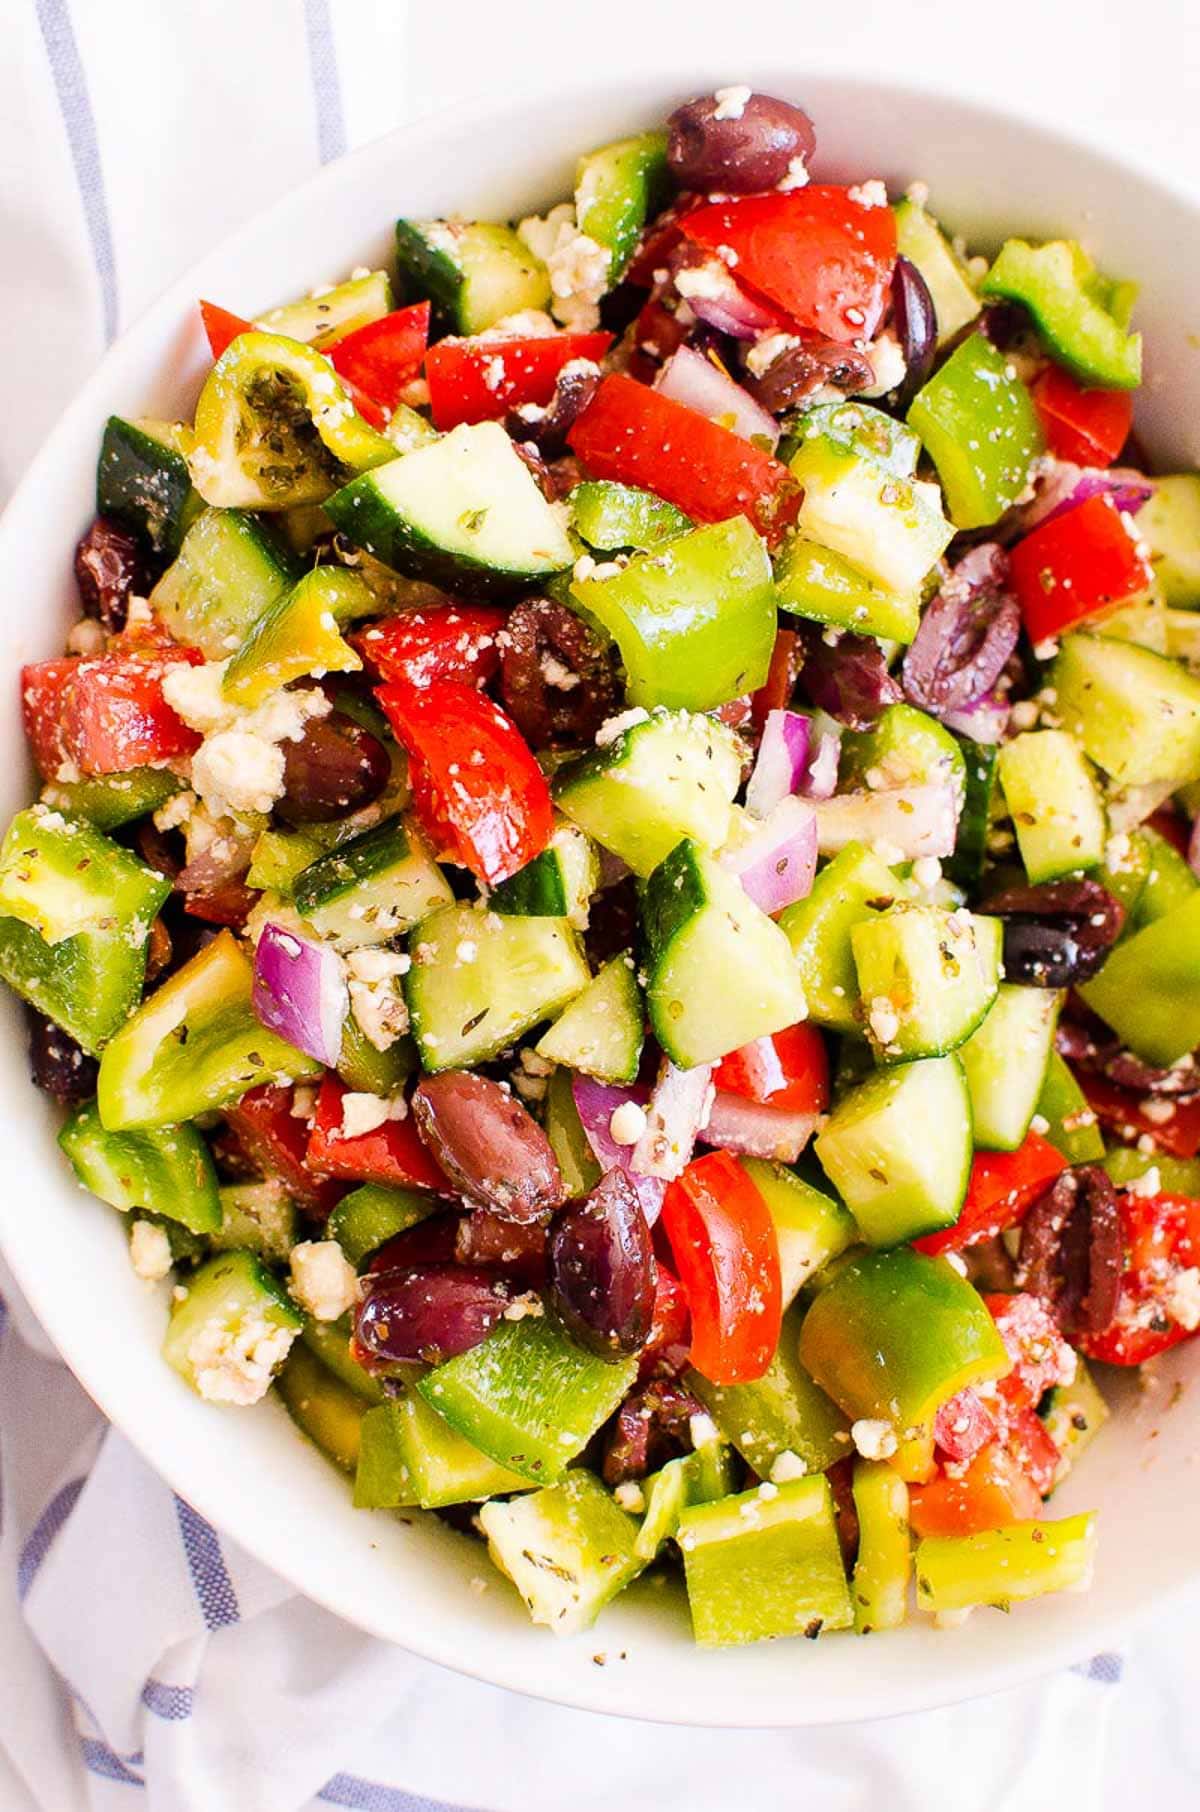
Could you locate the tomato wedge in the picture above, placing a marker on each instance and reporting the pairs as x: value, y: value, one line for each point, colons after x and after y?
x: 477, y: 788
x: 993, y: 1491
x: 666, y: 1350
x: 638, y: 436
x: 221, y: 327
x: 1088, y: 427
x: 480, y: 380
x: 105, y: 715
x: 380, y: 360
x: 1076, y: 566
x: 727, y: 1256
x: 390, y: 1154
x: 787, y: 1070
x: 1004, y: 1185
x: 437, y: 642
x: 776, y: 690
x: 1160, y: 1286
x: 820, y: 254
x: 275, y: 1137
x: 1123, y: 1112
x: 1040, y: 1356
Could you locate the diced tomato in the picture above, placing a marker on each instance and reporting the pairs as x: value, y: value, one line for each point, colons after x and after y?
x: 1172, y: 825
x: 105, y: 715
x: 727, y: 1256
x: 1123, y: 1112
x: 1033, y: 1449
x: 817, y: 253
x: 230, y: 904
x: 1004, y: 1185
x: 391, y: 1154
x: 436, y: 642
x: 480, y: 380
x: 787, y: 1070
x: 658, y: 332
x: 1162, y: 1243
x: 963, y: 1426
x: 1040, y: 1356
x: 1076, y: 566
x: 666, y: 1350
x: 776, y: 690
x: 991, y: 1492
x: 476, y: 785
x: 638, y: 436
x: 221, y: 327
x: 377, y: 362
x: 1088, y: 427
x: 275, y: 1137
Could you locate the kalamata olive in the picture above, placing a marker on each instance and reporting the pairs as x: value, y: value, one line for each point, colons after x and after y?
x: 108, y: 569
x: 649, y: 1428
x: 518, y: 1248
x: 335, y: 767
x: 430, y: 1313
x: 489, y: 1146
x: 57, y: 1064
x: 430, y: 1242
x: 801, y: 370
x: 848, y: 678
x: 1072, y: 1250
x: 915, y: 319
x: 557, y: 682
x: 602, y: 1268
x: 966, y: 636
x: 546, y: 425
x: 1180, y: 1082
x: 1056, y: 934
x: 738, y: 141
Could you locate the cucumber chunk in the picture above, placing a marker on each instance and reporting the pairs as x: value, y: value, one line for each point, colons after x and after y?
x: 61, y: 877
x: 169, y: 1171
x: 568, y: 1550
x: 1170, y: 524
x: 855, y: 886
x: 232, y: 1330
x: 781, y: 1412
x: 473, y: 273
x: 143, y: 481
x: 330, y: 1341
x: 468, y: 1008
x: 410, y: 1455
x: 922, y: 242
x: 612, y: 517
x: 1054, y: 802
x: 810, y: 1226
x: 1005, y: 1061
x: 602, y: 1030
x: 364, y: 1219
x: 557, y: 884
x: 666, y: 776
x: 528, y: 1396
x: 372, y: 888
x: 255, y: 1217
x: 464, y: 512
x: 1169, y: 882
x: 321, y: 1407
x: 906, y: 747
x: 322, y: 320
x: 867, y: 432
x: 981, y: 763
x: 999, y: 1566
x: 617, y: 188
x: 1137, y: 714
x: 813, y: 582
x: 694, y: 1478
x: 228, y: 573
x: 759, y: 1567
x: 88, y: 984
x: 1073, y: 1415
x: 898, y: 1149
x: 108, y: 801
x: 888, y: 526
x: 926, y: 977
x: 720, y: 972
x: 1070, y: 1123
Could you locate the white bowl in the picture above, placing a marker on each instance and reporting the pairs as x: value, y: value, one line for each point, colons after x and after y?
x: 410, y: 1580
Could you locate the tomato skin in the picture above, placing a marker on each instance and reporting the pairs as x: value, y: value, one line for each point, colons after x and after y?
x: 221, y: 327
x: 727, y: 1257
x: 105, y: 714
x: 1034, y: 1451
x: 963, y: 1426
x: 776, y: 690
x: 1162, y: 1240
x: 1087, y: 427
x: 439, y: 641
x: 638, y: 436
x: 380, y: 360
x: 1004, y: 1186
x: 666, y: 1350
x: 481, y: 379
x: 819, y: 255
x: 1120, y: 1110
x: 277, y: 1140
x: 392, y: 1154
x: 1076, y: 566
x: 788, y: 1070
x: 474, y: 778
x: 992, y: 1492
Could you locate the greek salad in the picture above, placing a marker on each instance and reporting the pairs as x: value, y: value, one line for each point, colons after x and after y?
x: 614, y: 893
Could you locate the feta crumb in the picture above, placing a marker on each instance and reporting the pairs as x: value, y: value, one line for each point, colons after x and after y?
x: 874, y: 1439
x: 176, y: 811
x: 614, y: 727
x: 235, y: 770
x: 1024, y: 714
x: 1182, y: 1300
x: 363, y: 1113
x: 787, y: 1466
x: 768, y: 1490
x: 1148, y: 1184
x: 628, y: 1123
x: 530, y: 1305
x: 731, y: 102
x: 702, y: 1429
x: 766, y: 350
x: 577, y: 266
x: 883, y: 1020
x: 149, y: 1251
x: 631, y: 1497
x: 322, y: 1280
x: 795, y: 176
x: 466, y: 950
x: 871, y: 194
x: 234, y: 1364
x: 86, y: 637
x: 1040, y: 1125
x: 926, y: 872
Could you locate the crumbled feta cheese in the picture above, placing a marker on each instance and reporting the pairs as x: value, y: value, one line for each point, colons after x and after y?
x: 194, y: 693
x: 787, y: 1466
x: 235, y: 770
x: 577, y: 266
x: 149, y: 1251
x: 364, y: 1113
x: 323, y: 1281
x: 871, y: 194
x: 1182, y: 1300
x: 523, y: 1307
x: 86, y: 637
x: 883, y: 1019
x: 926, y: 872
x: 234, y: 1364
x: 731, y: 102
x: 795, y: 176
x: 239, y: 767
x: 888, y: 365
x: 1024, y: 714
x: 764, y: 352
x: 874, y: 1438
x: 614, y: 727
x: 628, y: 1123
x: 1148, y: 1184
x: 374, y: 964
x: 526, y: 324
x: 702, y: 1429
x: 631, y: 1497
x: 707, y: 281
x: 176, y: 811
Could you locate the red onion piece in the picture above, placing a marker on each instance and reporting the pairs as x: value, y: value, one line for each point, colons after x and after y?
x: 716, y: 299
x: 915, y: 820
x: 1063, y: 485
x: 300, y: 992
x: 985, y: 721
x: 690, y: 378
x: 1193, y: 848
x: 825, y: 755
x: 676, y: 1114
x: 776, y: 865
x: 756, y: 1130
x: 781, y: 761
x: 596, y: 1103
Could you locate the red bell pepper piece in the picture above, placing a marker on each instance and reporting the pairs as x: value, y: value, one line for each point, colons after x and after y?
x: 776, y: 690
x: 993, y: 1491
x: 638, y: 436
x: 668, y: 1343
x: 823, y: 257
x: 1088, y: 427
x: 275, y: 1137
x: 476, y: 786
x: 106, y: 714
x: 1162, y: 1243
x: 377, y: 362
x: 727, y: 1256
x: 481, y: 379
x: 787, y: 1070
x: 437, y: 642
x: 1123, y: 1112
x: 963, y: 1426
x: 392, y: 1153
x: 1033, y: 1449
x: 1076, y: 566
x: 221, y: 327
x: 1004, y: 1185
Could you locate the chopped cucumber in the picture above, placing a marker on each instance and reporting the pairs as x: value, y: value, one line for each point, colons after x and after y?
x: 814, y: 582
x: 1169, y: 880
x: 255, y: 1217
x: 473, y: 273
x: 898, y: 1149
x: 478, y: 981
x: 922, y: 242
x: 373, y: 1213
x: 370, y: 1071
x: 564, y: 1129
x: 61, y: 877
x: 143, y: 481
x: 694, y: 1478
x: 234, y: 1309
x: 1005, y: 1061
x: 464, y: 512
x: 1000, y: 1566
x: 108, y: 801
x: 720, y: 972
x: 1070, y: 1123
x: 557, y: 884
x: 528, y: 1396
x: 810, y: 1226
x: 855, y: 886
x: 980, y: 428
x: 612, y: 517
x: 1073, y: 1415
x: 982, y: 763
x: 1125, y: 871
x: 321, y: 320
x: 568, y: 1550
x: 758, y: 1567
x: 321, y: 1406
x: 859, y: 428
x: 410, y: 1455
x: 1137, y: 714
x: 783, y: 1412
x: 601, y: 1031
x: 88, y: 984
x: 372, y: 888
x: 331, y: 1342
x: 666, y: 776
x: 616, y: 190
x: 889, y: 526
x: 169, y: 1170
x: 1054, y: 802
x: 228, y: 574
x: 926, y: 977
x: 1170, y: 525
x: 883, y: 1567
x: 906, y: 747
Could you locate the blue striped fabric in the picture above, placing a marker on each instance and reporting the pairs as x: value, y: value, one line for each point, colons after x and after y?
x: 1106, y: 1668
x: 210, y: 1576
x: 172, y: 1703
x: 370, y: 1796
x: 326, y: 83
x: 43, y: 1532
x: 98, y: 1758
x: 70, y: 85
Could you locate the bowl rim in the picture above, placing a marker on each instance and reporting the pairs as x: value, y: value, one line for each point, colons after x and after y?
x: 173, y: 303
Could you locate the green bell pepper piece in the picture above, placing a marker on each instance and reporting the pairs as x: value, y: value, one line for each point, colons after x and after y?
x: 322, y: 1407
x: 980, y: 428
x: 61, y: 877
x: 299, y: 634
x: 194, y: 1045
x: 364, y: 1219
x: 409, y: 1455
x: 1000, y: 1566
x: 695, y: 622
x: 1070, y: 1123
x: 611, y: 516
x: 815, y: 583
x: 1169, y: 880
x: 894, y: 1336
x: 330, y: 1341
x: 781, y: 1412
x: 1178, y: 1176
x: 694, y: 1478
x: 109, y: 800
x: 884, y: 1565
x: 168, y: 1170
x: 373, y: 1072
x: 1149, y: 988
x: 279, y: 857
x: 255, y: 1217
x: 568, y: 1550
x: 858, y: 428
x: 1082, y: 316
x: 87, y: 984
x: 765, y: 1563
